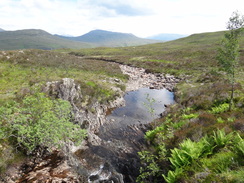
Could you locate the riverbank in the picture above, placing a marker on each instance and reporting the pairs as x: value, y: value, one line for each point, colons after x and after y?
x: 98, y: 158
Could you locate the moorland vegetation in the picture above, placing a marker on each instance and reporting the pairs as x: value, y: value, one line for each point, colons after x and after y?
x: 199, y: 139
x: 26, y: 115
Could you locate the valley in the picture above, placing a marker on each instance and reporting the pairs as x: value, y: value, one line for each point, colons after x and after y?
x: 40, y: 39
x: 94, y: 81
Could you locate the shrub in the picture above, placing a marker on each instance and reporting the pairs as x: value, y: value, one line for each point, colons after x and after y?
x: 236, y: 176
x: 190, y: 116
x: 220, y: 138
x: 239, y: 126
x: 220, y: 120
x: 226, y: 151
x: 39, y: 121
x: 165, y: 131
x: 220, y: 162
x: 173, y: 176
x: 239, y: 145
x: 150, y: 167
x: 220, y: 109
x: 189, y: 151
x: 207, y: 119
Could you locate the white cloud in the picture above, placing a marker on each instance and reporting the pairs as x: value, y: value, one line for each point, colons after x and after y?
x: 140, y: 17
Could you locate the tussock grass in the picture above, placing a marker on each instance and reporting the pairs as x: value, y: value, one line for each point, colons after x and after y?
x: 22, y: 69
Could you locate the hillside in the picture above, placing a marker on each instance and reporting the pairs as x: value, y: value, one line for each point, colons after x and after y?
x: 195, y: 50
x: 35, y: 39
x: 111, y: 39
x: 197, y: 139
x: 1, y: 30
x: 185, y: 56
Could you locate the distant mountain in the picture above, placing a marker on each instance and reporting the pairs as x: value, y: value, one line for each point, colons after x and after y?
x: 111, y: 39
x: 36, y: 39
x: 167, y: 37
x: 39, y: 39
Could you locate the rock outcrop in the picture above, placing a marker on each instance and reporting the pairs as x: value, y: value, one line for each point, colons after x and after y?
x: 51, y: 167
x: 68, y: 90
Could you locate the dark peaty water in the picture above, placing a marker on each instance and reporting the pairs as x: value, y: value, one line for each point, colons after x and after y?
x: 124, y: 131
x: 142, y: 106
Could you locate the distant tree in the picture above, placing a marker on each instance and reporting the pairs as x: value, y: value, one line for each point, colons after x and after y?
x: 228, y: 53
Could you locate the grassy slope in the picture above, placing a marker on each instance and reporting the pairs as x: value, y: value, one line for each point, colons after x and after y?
x: 22, y: 69
x: 183, y: 56
x: 36, y: 39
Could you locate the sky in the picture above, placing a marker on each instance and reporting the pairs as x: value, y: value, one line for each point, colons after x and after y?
x: 142, y: 18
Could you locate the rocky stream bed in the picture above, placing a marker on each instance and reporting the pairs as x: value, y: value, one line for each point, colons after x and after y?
x: 110, y: 156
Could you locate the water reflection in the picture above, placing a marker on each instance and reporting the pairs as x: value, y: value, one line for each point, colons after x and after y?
x: 138, y: 106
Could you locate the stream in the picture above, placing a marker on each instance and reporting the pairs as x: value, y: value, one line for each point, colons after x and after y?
x: 141, y: 107
x: 123, y: 132
x: 115, y: 134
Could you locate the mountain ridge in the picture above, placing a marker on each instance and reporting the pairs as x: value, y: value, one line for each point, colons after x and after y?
x: 36, y: 39
x: 40, y: 39
x: 111, y: 39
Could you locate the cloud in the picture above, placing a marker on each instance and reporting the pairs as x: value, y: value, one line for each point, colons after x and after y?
x: 140, y: 17
x: 77, y: 17
x: 115, y: 8
x: 125, y: 9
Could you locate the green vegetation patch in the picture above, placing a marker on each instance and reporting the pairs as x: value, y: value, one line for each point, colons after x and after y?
x: 185, y: 145
x: 180, y: 141
x: 39, y: 121
x: 215, y: 155
x: 19, y: 70
x: 30, y: 119
x: 35, y: 122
